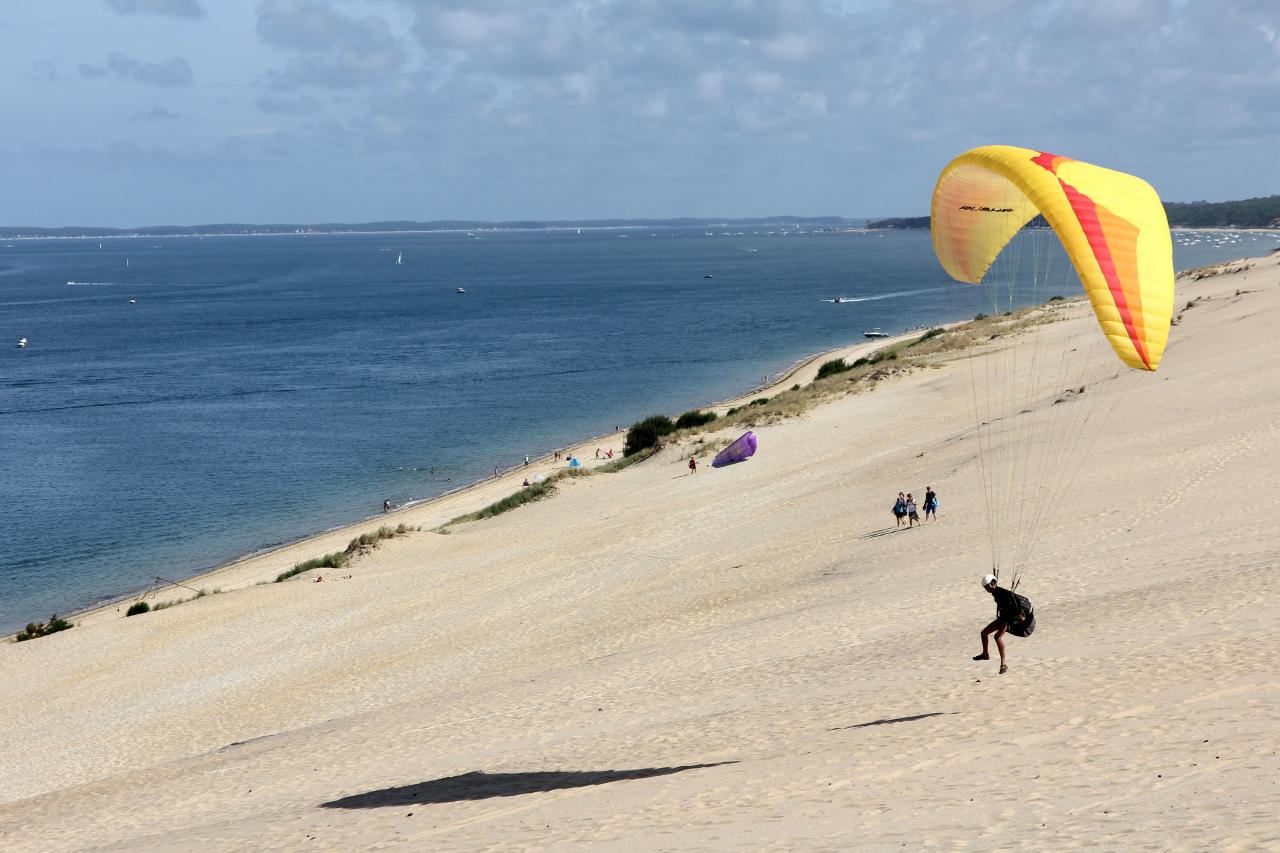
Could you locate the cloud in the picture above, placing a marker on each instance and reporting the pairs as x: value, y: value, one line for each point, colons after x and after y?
x: 170, y: 8
x: 332, y: 50
x: 170, y: 72
x: 155, y: 114
x: 43, y: 71
x: 286, y: 105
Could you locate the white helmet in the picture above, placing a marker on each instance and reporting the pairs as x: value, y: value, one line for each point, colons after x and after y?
x: 988, y: 579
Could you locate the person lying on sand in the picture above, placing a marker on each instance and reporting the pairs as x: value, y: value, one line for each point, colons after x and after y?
x: 1009, y: 614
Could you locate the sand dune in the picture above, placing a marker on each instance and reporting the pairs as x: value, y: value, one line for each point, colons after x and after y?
x: 729, y: 660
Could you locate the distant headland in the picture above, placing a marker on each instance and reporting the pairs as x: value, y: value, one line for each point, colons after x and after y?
x: 830, y: 223
x: 1261, y: 212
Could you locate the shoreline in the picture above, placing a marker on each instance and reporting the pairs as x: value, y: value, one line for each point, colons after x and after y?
x: 721, y: 659
x: 102, y: 608
x: 334, y: 538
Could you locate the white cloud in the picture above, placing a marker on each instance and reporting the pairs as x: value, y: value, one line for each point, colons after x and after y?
x: 170, y: 72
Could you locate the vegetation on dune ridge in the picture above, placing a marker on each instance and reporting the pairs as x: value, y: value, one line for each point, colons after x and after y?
x: 1226, y: 268
x: 527, y: 494
x: 837, y: 378
x: 338, y: 559
x: 42, y: 629
x: 624, y: 462
x: 163, y: 605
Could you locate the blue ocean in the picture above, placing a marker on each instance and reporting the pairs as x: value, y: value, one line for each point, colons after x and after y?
x: 184, y: 401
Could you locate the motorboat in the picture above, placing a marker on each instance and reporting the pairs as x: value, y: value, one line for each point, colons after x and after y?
x: 875, y: 333
x: 22, y: 343
x: 460, y: 290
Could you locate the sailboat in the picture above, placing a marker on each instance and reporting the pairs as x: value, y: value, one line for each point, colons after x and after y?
x: 400, y: 258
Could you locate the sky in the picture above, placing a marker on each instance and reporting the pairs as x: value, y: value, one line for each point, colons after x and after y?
x: 147, y: 112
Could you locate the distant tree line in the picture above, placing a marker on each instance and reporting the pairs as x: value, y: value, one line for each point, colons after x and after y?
x: 1249, y: 213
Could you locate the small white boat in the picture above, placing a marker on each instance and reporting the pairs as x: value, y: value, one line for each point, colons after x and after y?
x: 133, y: 302
x: 460, y: 290
x: 400, y: 258
x: 875, y: 333
x: 708, y: 275
x: 22, y: 343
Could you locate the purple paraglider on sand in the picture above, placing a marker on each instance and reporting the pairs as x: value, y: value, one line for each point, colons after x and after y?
x: 742, y: 449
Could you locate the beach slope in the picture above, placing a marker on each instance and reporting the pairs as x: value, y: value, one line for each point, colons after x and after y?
x: 746, y: 658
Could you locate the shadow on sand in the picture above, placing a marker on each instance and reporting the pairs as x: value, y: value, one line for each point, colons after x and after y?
x: 481, y: 786
x: 889, y: 720
x: 883, y: 531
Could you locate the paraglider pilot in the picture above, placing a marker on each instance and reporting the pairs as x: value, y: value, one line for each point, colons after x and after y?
x: 1009, y: 614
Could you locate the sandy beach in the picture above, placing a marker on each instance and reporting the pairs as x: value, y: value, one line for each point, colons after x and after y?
x: 733, y: 659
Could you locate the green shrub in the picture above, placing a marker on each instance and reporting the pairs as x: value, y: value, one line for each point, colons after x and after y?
x: 1056, y: 298
x: 862, y: 362
x: 137, y: 607
x: 645, y: 434
x: 831, y: 368
x: 795, y: 387
x: 979, y: 316
x: 759, y: 401
x: 694, y: 419
x: 41, y: 629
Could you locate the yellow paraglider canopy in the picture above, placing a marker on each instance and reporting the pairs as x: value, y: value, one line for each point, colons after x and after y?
x: 1112, y: 226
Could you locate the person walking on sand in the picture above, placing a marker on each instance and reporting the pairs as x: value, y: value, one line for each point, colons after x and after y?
x: 1012, y: 614
x: 913, y: 516
x: 526, y: 460
x: 930, y: 503
x: 900, y: 508
x: 386, y: 506
x: 693, y: 464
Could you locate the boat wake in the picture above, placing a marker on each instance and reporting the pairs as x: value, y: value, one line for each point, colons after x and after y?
x: 840, y: 300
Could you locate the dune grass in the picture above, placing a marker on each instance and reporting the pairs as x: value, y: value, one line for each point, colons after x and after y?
x: 163, y: 605
x: 339, y: 559
x: 624, y: 462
